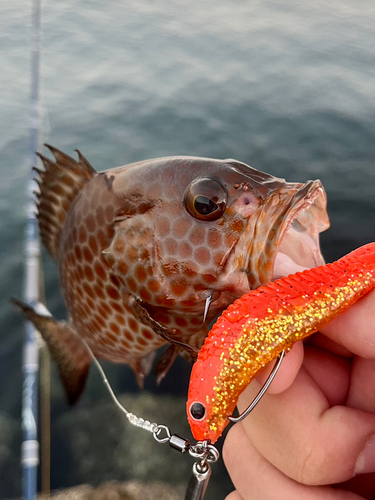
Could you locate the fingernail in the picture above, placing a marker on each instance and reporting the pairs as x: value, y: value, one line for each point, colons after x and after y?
x: 366, y: 460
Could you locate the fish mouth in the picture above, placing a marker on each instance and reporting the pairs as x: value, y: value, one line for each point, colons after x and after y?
x: 300, y: 246
x: 292, y: 243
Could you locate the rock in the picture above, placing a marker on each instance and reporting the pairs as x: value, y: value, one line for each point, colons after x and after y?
x: 93, y: 443
x: 113, y: 490
x: 97, y: 443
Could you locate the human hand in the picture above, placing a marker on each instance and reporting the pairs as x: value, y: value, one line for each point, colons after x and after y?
x: 315, y: 427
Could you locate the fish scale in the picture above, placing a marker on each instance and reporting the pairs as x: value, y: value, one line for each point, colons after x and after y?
x: 91, y: 290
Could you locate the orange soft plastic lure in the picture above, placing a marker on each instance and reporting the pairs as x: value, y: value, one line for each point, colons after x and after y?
x: 256, y: 328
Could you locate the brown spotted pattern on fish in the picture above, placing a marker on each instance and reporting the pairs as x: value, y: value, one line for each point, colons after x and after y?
x: 141, y: 248
x: 92, y: 292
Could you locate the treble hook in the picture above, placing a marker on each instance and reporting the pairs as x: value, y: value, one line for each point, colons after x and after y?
x: 261, y: 393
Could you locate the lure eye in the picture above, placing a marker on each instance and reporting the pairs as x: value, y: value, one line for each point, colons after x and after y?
x: 197, y: 411
x: 205, y: 199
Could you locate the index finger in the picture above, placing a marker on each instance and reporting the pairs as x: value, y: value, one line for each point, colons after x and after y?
x: 355, y: 328
x: 351, y: 332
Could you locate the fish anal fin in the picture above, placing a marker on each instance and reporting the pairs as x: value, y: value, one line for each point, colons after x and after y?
x: 67, y: 350
x: 59, y: 183
x: 165, y: 362
x: 142, y: 367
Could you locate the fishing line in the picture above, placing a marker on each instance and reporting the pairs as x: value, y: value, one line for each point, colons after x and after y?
x: 133, y: 419
x: 203, y: 451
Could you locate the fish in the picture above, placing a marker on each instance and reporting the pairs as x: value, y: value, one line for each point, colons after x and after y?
x: 257, y: 327
x: 150, y: 253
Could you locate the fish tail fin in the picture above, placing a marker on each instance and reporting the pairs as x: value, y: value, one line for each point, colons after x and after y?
x: 67, y: 350
x: 59, y: 183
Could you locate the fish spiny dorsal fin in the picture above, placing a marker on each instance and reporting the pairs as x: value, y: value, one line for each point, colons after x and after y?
x: 59, y: 184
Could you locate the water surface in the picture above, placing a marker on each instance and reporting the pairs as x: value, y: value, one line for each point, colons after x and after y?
x: 285, y: 86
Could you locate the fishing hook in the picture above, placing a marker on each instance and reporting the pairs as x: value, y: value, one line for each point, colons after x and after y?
x: 207, y: 307
x: 261, y: 393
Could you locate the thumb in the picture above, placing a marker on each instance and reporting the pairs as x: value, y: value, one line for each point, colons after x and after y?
x: 287, y: 372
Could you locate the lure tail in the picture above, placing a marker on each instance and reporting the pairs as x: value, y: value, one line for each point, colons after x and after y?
x: 67, y: 350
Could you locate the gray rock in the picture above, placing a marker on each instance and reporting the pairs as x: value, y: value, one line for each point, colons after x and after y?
x: 102, y: 445
x: 132, y: 490
x: 96, y: 443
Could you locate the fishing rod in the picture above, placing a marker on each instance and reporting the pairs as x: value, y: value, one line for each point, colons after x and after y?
x: 30, y: 444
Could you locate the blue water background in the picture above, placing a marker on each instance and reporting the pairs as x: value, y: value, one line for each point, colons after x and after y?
x: 285, y: 86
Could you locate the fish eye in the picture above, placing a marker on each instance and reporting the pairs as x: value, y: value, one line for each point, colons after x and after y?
x: 197, y: 411
x: 205, y: 199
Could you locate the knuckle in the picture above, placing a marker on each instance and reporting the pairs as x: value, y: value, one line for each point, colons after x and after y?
x: 231, y: 445
x: 310, y: 468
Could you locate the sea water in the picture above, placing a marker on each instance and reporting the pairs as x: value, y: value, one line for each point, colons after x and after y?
x: 285, y: 86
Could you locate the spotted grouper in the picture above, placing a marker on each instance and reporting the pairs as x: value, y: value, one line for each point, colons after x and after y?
x: 151, y: 252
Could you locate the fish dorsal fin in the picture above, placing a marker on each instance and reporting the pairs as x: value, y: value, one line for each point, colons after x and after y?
x: 59, y: 184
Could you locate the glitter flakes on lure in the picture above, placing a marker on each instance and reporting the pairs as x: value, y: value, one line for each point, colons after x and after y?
x: 256, y: 328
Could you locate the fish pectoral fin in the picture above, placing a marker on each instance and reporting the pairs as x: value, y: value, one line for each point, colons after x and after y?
x: 167, y: 334
x: 66, y: 348
x: 165, y: 362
